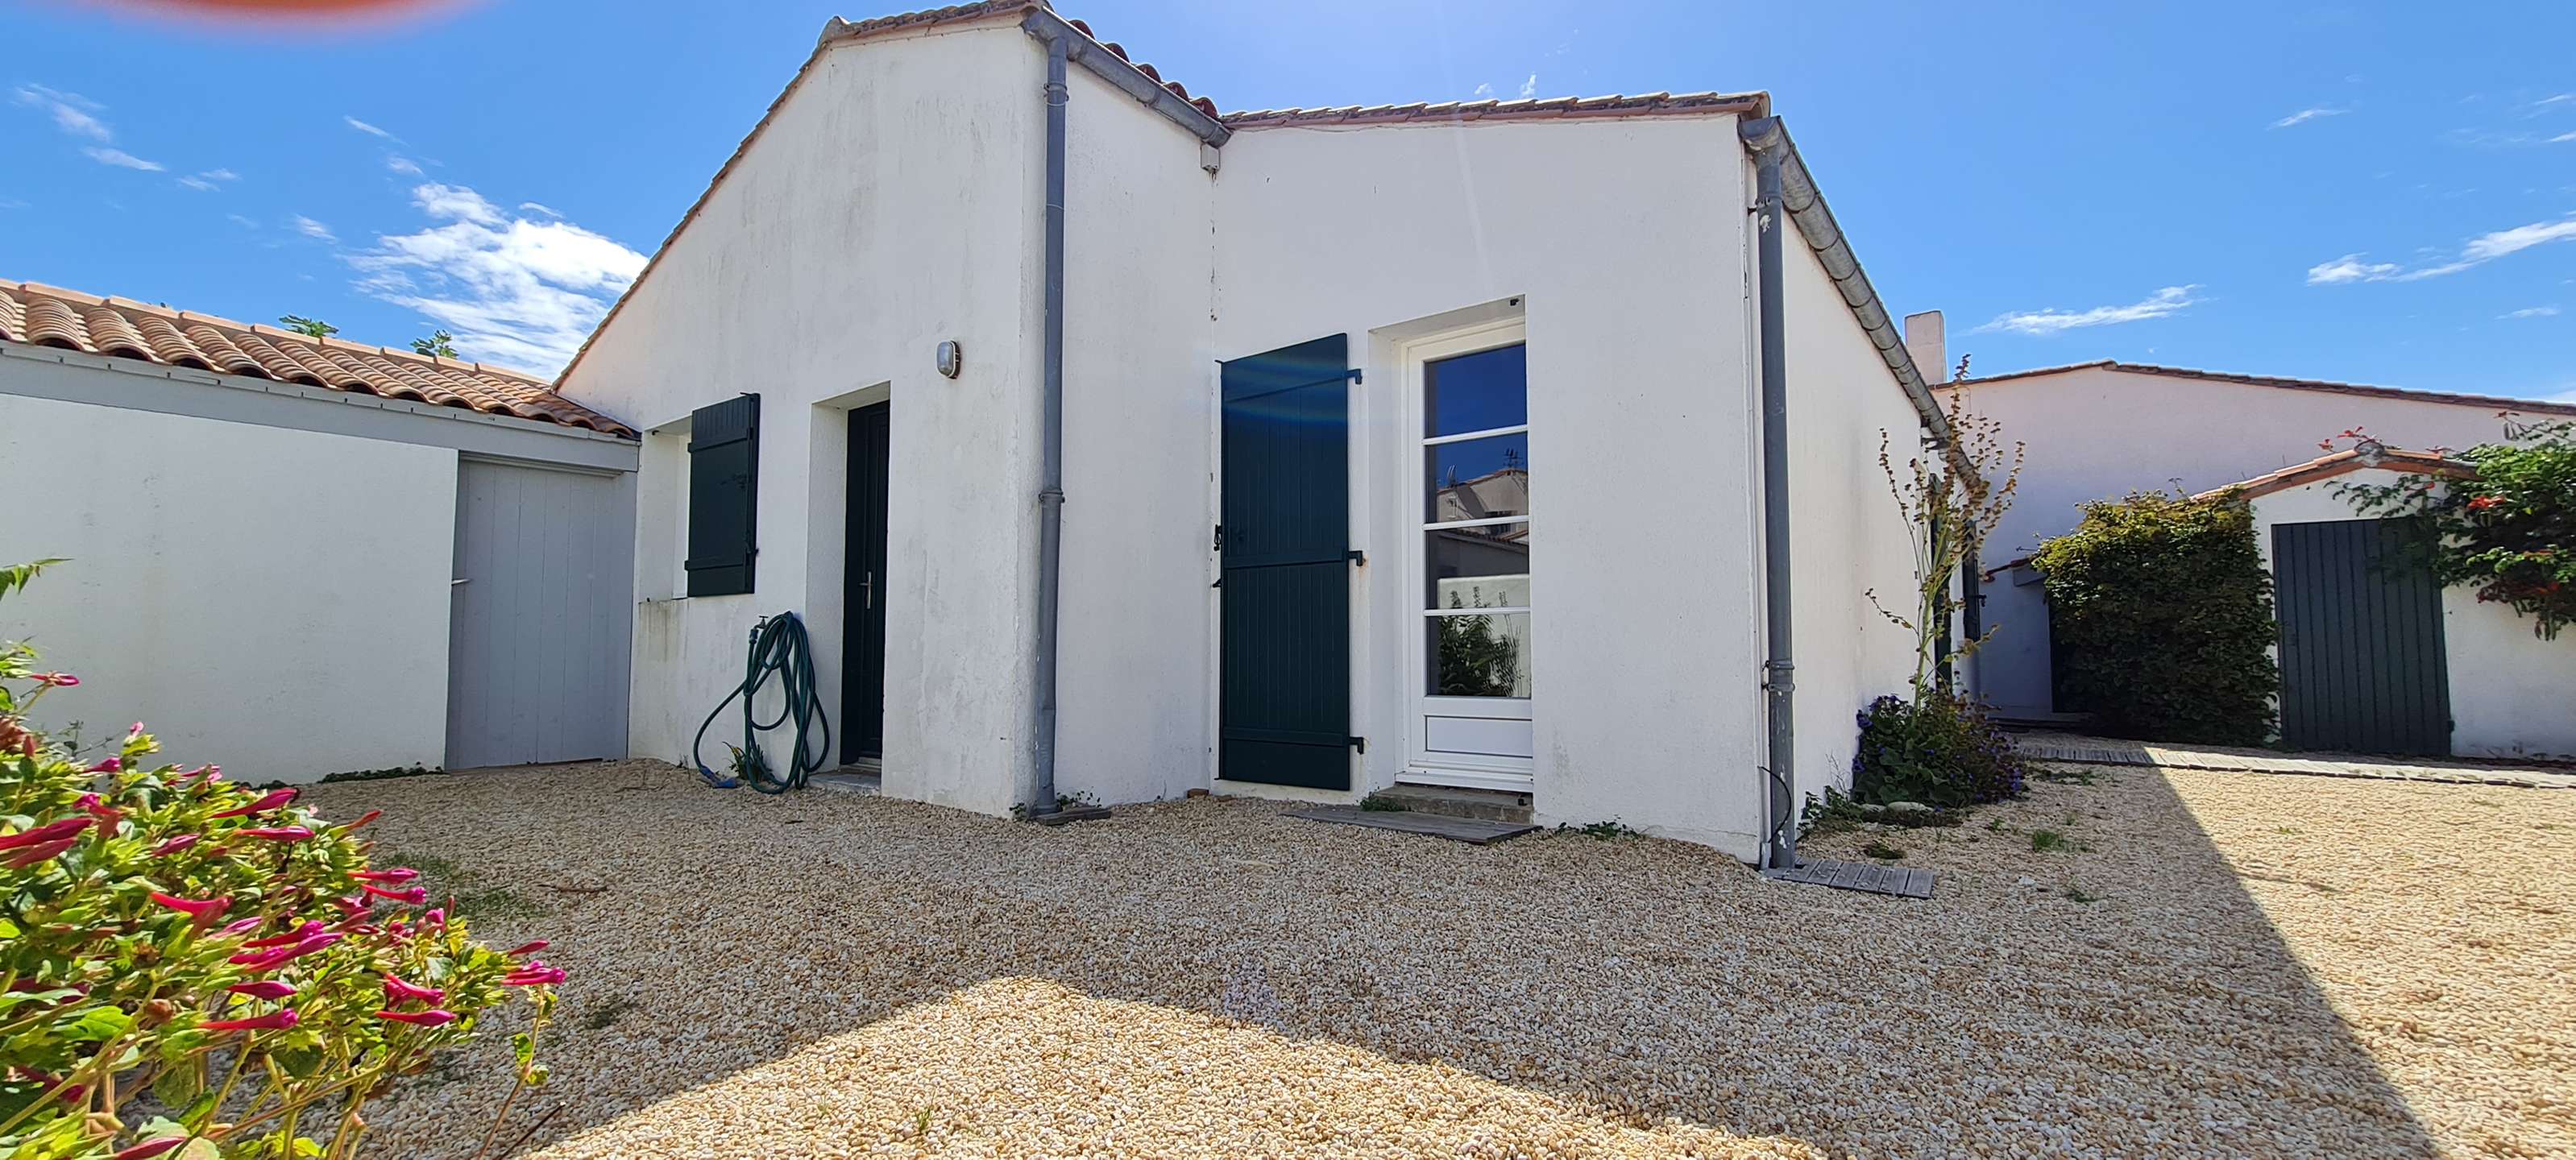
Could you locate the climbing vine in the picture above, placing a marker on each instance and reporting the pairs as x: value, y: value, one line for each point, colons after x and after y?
x: 2507, y: 532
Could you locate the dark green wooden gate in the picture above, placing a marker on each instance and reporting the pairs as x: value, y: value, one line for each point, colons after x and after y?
x: 1284, y: 680
x: 2362, y: 667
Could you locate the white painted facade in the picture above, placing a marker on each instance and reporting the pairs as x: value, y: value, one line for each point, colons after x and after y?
x: 892, y: 202
x: 2098, y: 432
x: 2510, y: 690
x: 257, y: 571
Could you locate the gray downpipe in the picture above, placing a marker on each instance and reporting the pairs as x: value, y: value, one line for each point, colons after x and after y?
x: 1051, y: 458
x: 1778, y: 684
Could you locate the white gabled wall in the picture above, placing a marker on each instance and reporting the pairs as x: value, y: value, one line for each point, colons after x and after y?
x: 1626, y: 238
x: 1134, y: 661
x: 2510, y: 690
x: 891, y: 204
x: 1848, y: 537
x: 2100, y: 433
x: 267, y: 599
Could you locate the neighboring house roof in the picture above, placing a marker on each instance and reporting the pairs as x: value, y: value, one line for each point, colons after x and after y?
x: 1549, y: 109
x: 2368, y: 455
x: 2530, y: 405
x: 41, y: 315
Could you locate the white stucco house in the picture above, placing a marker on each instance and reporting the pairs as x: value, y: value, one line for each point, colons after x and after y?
x: 2375, y: 655
x: 298, y: 556
x: 2101, y: 430
x: 1114, y: 447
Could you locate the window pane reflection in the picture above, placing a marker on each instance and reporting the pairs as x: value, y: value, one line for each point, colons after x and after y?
x: 1485, y: 566
x: 1479, y: 655
x: 1477, y: 478
x: 1476, y: 392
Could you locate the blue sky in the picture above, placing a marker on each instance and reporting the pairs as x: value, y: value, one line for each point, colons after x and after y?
x: 2363, y: 192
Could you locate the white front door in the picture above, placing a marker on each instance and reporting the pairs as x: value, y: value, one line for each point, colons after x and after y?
x: 1468, y: 595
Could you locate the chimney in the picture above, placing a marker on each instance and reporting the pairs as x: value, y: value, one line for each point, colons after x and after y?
x: 1926, y: 341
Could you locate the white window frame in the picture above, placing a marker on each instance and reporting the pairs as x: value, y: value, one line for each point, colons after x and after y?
x: 1479, y: 771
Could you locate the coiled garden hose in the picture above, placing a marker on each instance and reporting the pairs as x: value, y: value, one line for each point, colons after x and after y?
x: 779, y: 648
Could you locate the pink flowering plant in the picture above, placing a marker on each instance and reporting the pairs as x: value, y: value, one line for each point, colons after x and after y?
x: 193, y: 969
x: 2506, y: 530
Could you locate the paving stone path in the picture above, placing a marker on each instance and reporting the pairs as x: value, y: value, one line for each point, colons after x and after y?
x: 2077, y: 749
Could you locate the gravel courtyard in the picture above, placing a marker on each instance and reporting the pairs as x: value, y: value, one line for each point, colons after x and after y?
x: 2221, y: 964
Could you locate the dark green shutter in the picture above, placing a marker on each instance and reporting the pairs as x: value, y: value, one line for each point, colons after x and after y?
x: 1284, y: 694
x: 724, y: 493
x: 2363, y: 666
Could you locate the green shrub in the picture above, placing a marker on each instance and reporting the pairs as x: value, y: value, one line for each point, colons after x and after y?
x: 2508, y: 533
x: 2160, y: 612
x: 230, y: 955
x: 1940, y: 752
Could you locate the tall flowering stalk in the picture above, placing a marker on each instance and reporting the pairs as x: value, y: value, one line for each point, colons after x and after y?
x: 1952, y: 502
x: 228, y: 952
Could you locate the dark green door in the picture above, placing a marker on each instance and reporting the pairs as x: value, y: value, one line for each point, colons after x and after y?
x: 863, y: 637
x: 1284, y: 680
x: 2362, y: 667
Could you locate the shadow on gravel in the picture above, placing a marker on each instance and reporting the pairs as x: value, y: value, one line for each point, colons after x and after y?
x: 822, y: 976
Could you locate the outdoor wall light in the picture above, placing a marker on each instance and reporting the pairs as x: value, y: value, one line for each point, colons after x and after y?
x: 952, y: 358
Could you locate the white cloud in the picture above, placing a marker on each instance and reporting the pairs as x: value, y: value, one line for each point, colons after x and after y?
x: 2476, y: 251
x: 368, y: 129
x: 2531, y: 312
x: 2349, y: 268
x: 208, y: 181
x: 2170, y: 300
x: 311, y: 228
x: 1484, y: 90
x: 72, y: 112
x: 1529, y: 88
x: 515, y: 290
x: 403, y: 165
x: 106, y: 155
x: 547, y: 210
x: 243, y: 222
x: 2304, y: 116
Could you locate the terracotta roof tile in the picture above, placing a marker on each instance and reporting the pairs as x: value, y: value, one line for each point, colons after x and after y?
x: 1553, y: 108
x: 2345, y: 461
x: 2498, y: 402
x: 41, y: 315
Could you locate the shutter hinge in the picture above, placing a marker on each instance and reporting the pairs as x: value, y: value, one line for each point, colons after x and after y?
x: 1360, y: 743
x: 1216, y: 541
x: 1354, y: 374
x: 1356, y: 556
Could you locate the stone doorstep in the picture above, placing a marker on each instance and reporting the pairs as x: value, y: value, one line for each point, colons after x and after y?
x: 1446, y: 801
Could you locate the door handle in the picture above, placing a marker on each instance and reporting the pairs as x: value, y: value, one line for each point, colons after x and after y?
x: 868, y: 590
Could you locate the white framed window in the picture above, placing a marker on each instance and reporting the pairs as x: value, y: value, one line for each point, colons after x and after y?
x: 1466, y: 496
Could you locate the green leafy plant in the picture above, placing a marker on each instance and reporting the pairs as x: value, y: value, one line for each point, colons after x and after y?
x: 438, y: 343
x: 196, y: 969
x: 2161, y: 616
x: 1378, y: 803
x: 2051, y: 842
x: 2506, y: 531
x: 1940, y: 752
x: 1612, y: 830
x: 1882, y: 851
x: 313, y: 327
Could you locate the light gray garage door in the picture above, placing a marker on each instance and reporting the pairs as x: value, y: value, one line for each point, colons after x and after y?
x: 541, y: 600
